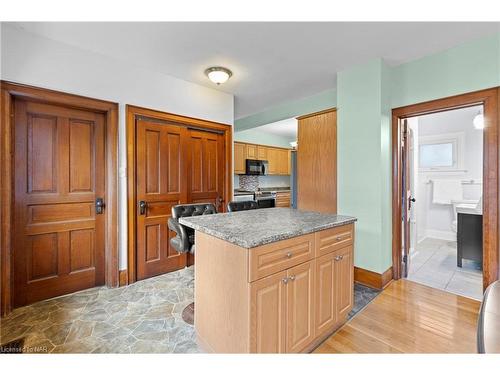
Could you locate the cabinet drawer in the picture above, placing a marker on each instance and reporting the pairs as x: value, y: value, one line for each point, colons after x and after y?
x: 268, y: 259
x: 333, y: 239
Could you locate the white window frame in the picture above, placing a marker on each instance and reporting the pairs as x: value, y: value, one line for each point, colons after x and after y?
x: 456, y: 139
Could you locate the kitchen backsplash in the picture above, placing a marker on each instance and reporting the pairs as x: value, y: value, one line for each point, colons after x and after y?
x: 253, y: 182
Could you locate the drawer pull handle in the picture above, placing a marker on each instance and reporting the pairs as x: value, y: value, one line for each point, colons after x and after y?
x: 340, y: 238
x: 285, y: 280
x: 289, y: 255
x: 292, y: 278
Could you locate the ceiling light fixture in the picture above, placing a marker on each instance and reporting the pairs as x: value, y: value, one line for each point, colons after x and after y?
x: 478, y: 121
x: 218, y: 74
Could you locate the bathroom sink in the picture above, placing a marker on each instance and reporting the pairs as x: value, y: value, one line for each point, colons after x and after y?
x: 468, y: 208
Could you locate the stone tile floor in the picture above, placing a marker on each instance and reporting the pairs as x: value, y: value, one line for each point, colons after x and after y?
x: 144, y: 317
x: 434, y: 263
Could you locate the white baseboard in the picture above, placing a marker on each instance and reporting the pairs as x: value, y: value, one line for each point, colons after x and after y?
x: 441, y: 234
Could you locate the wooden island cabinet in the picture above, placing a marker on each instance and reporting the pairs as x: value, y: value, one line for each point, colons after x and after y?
x: 282, y: 297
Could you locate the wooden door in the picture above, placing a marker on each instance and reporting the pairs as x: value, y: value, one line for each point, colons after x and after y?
x: 317, y: 162
x: 268, y: 314
x: 262, y: 152
x: 273, y: 159
x: 59, y: 173
x: 325, y: 297
x: 406, y: 197
x: 160, y: 185
x: 344, y: 280
x: 300, y: 307
x: 252, y: 152
x: 206, y: 168
x: 239, y: 158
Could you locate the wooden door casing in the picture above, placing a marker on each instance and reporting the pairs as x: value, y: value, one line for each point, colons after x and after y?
x: 59, y: 244
x: 160, y: 184
x: 300, y: 307
x: 206, y: 168
x: 268, y: 314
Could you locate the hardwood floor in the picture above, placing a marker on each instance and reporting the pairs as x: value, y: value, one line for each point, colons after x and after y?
x: 409, y: 318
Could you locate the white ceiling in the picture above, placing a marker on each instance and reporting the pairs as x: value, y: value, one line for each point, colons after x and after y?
x: 272, y: 62
x: 284, y: 128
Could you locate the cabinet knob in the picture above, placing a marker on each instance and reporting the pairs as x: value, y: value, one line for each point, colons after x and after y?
x: 339, y: 238
x: 337, y: 258
x: 285, y: 280
x: 289, y: 255
x: 292, y: 278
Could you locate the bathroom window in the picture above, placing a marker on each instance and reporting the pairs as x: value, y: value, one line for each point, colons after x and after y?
x: 441, y: 153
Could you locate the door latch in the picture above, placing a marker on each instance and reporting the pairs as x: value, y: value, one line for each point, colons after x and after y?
x: 142, y: 207
x: 99, y: 206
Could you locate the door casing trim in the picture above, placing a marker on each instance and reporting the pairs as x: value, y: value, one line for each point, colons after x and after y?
x: 490, y: 98
x: 131, y: 113
x: 10, y: 91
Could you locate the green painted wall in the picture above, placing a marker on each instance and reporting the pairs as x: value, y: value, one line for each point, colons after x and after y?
x: 256, y: 136
x: 364, y: 97
x: 468, y: 67
x: 318, y: 102
x: 363, y: 165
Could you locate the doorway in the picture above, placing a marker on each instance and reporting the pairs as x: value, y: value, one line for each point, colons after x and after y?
x: 171, y: 160
x: 444, y: 153
x: 433, y: 165
x: 59, y: 203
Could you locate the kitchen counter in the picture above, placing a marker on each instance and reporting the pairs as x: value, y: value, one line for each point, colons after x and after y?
x: 273, y: 280
x: 254, y: 228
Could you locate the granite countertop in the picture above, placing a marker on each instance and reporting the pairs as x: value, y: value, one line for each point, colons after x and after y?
x: 259, y: 227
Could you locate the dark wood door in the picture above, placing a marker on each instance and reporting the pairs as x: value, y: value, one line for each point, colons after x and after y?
x: 206, y: 168
x: 59, y: 173
x: 406, y: 198
x: 161, y: 184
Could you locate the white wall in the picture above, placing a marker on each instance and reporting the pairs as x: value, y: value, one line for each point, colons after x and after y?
x: 37, y: 61
x: 436, y: 219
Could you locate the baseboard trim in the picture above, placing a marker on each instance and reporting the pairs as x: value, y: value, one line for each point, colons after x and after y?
x: 123, y: 277
x: 373, y: 279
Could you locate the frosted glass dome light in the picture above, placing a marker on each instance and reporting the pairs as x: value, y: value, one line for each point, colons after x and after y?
x: 218, y: 74
x: 478, y: 121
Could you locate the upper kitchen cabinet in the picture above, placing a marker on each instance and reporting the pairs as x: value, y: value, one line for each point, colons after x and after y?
x: 317, y: 162
x: 252, y: 151
x: 239, y: 157
x: 278, y: 158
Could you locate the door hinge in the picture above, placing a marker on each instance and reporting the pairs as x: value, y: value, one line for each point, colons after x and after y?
x: 405, y: 258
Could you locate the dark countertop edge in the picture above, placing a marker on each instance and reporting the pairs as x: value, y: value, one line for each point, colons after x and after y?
x: 270, y: 239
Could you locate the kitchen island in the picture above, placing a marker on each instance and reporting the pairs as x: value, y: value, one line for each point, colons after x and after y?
x: 274, y: 280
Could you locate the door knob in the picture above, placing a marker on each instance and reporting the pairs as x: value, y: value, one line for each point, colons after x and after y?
x: 142, y: 207
x: 99, y: 206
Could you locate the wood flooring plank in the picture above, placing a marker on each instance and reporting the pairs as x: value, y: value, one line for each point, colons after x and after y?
x: 408, y: 317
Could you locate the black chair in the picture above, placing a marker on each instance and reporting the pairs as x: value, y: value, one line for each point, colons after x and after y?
x: 242, y: 206
x: 183, y: 242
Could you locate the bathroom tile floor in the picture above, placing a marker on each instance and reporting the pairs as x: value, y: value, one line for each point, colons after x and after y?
x: 434, y: 263
x: 144, y: 317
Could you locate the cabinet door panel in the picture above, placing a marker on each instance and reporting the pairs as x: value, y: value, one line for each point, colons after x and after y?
x: 273, y: 159
x: 239, y: 158
x: 300, y: 307
x: 268, y: 314
x: 262, y: 153
x: 344, y: 280
x: 325, y: 297
x: 252, y: 152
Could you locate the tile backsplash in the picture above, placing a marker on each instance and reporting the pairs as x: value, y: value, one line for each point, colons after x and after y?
x: 253, y: 182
